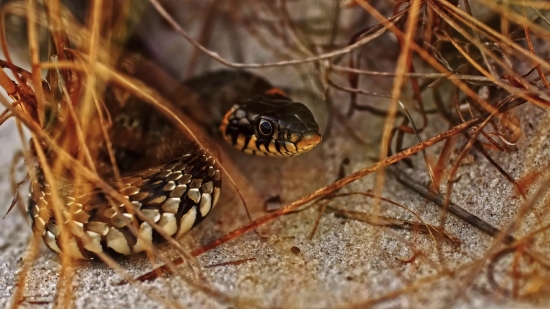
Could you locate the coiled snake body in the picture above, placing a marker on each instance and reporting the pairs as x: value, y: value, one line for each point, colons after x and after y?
x: 170, y: 179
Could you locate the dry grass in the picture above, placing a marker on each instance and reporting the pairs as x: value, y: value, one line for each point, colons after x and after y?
x: 472, y: 75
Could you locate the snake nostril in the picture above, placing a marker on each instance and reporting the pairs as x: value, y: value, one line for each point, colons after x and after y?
x: 310, y: 138
x: 312, y: 135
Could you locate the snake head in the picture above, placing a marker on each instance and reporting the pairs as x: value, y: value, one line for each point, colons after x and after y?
x: 271, y: 126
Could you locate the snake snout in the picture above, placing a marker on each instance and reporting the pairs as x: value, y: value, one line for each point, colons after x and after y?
x: 310, y: 139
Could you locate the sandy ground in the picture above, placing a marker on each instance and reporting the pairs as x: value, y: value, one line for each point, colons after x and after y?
x: 347, y: 262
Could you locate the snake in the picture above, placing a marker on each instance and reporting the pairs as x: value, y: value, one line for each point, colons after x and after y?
x: 168, y: 179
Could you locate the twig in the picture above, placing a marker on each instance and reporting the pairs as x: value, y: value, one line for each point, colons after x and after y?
x: 453, y: 208
x: 393, y: 223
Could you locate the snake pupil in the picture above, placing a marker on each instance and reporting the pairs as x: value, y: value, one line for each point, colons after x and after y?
x: 265, y: 127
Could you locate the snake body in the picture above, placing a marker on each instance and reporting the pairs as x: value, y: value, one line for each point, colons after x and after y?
x: 168, y: 180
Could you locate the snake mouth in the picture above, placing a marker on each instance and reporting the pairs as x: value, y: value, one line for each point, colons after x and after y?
x: 309, y: 140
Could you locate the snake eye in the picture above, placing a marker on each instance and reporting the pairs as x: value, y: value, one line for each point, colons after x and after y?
x: 265, y: 127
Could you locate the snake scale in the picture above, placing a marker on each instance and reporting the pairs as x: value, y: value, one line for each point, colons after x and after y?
x: 171, y: 180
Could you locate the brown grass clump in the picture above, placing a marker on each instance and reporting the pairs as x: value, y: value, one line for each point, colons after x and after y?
x: 447, y: 97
